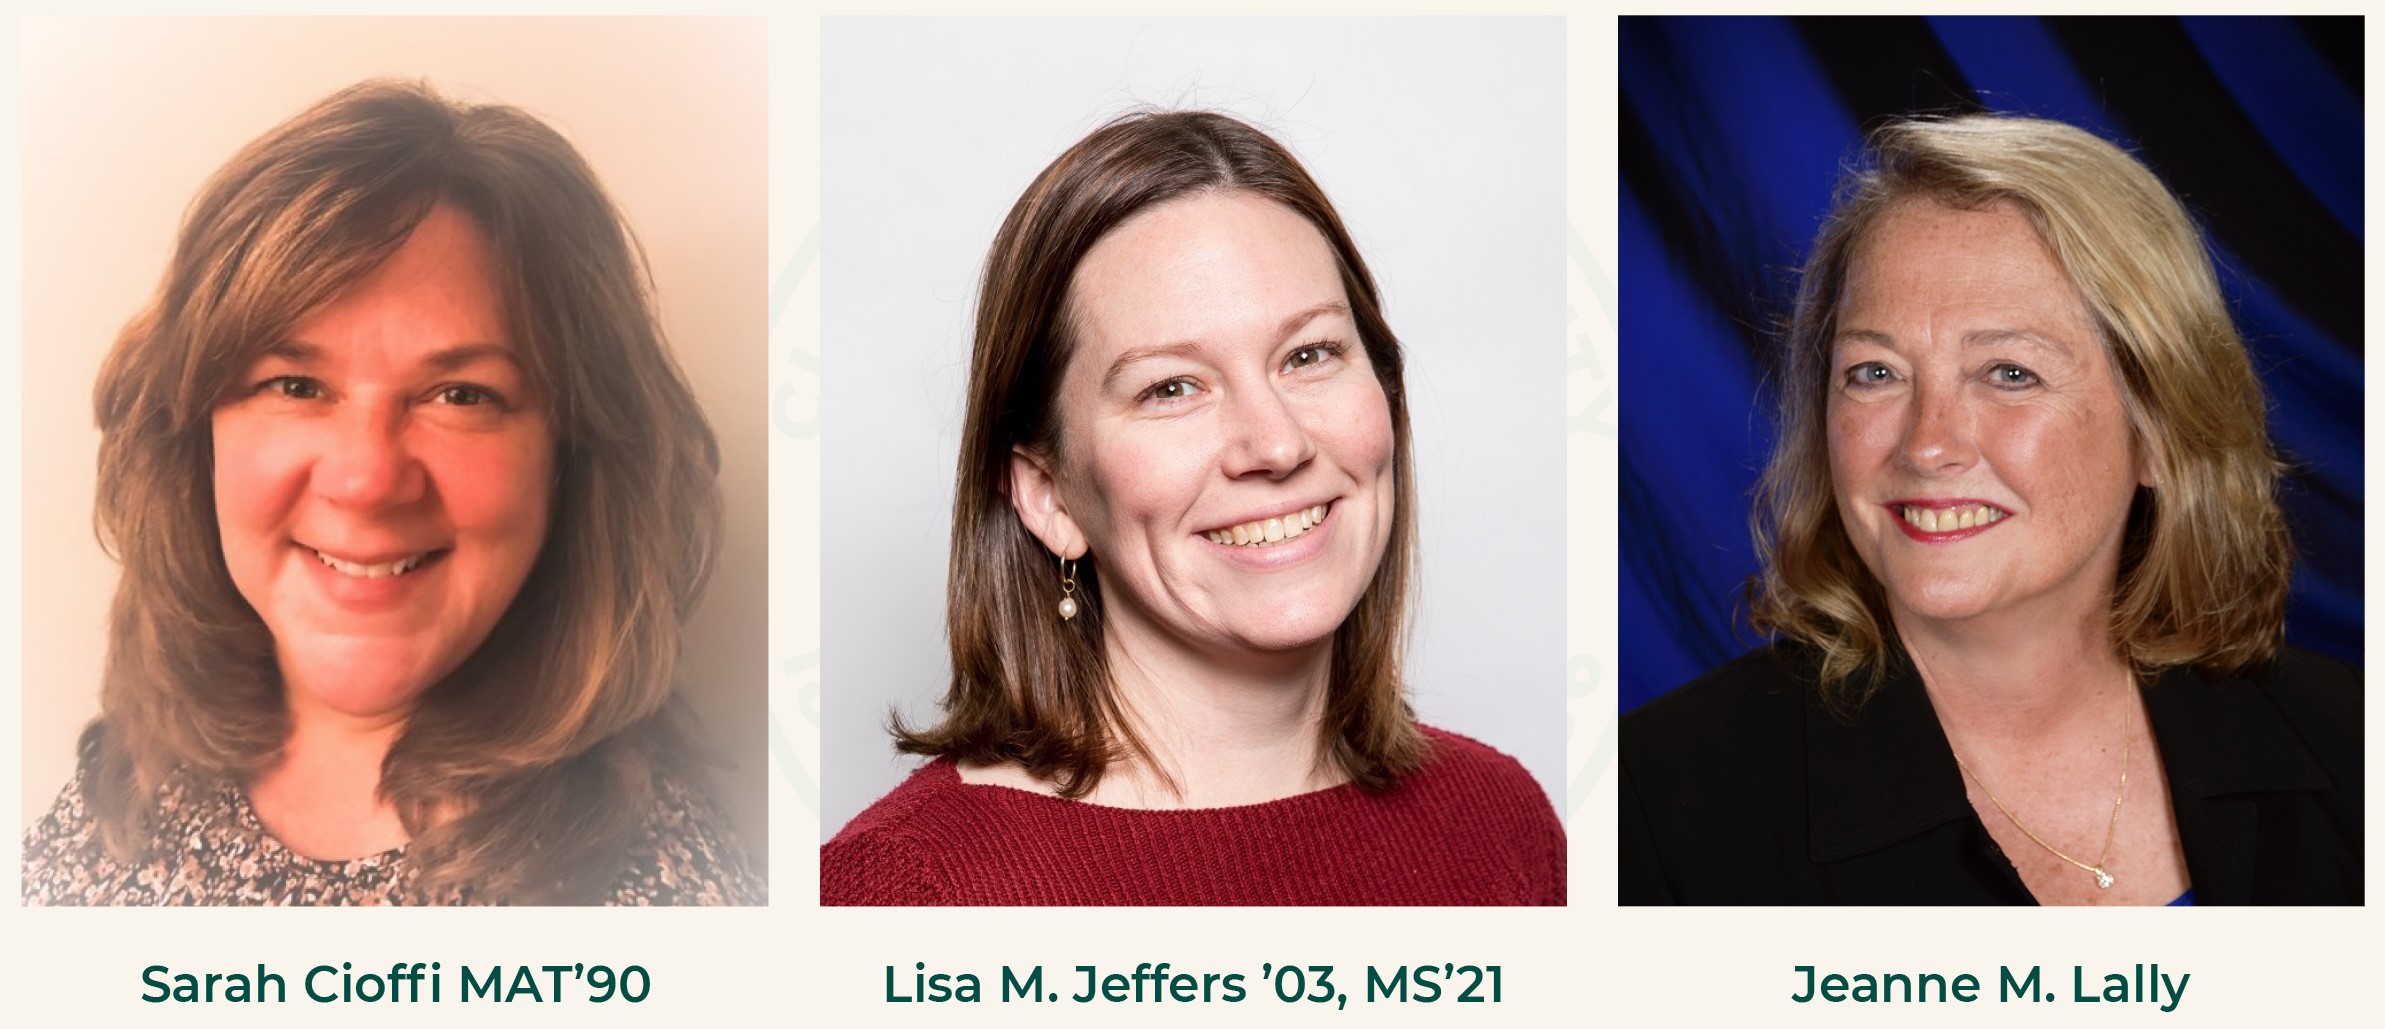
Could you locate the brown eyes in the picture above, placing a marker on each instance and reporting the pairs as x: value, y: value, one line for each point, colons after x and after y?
x: 1312, y: 355
x: 466, y: 396
x: 1173, y: 389
x: 301, y: 387
x: 291, y: 387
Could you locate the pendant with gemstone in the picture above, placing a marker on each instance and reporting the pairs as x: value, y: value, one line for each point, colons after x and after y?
x: 2103, y: 879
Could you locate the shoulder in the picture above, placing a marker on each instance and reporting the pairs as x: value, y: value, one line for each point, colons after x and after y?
x: 66, y: 860
x: 1463, y: 769
x: 1716, y: 768
x: 1760, y: 684
x: 2312, y: 687
x: 888, y: 853
x: 688, y: 855
x: 2318, y: 697
x: 1751, y: 708
x: 1477, y: 767
x: 1491, y: 799
x: 63, y: 860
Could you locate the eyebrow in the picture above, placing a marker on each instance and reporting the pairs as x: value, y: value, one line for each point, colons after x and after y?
x: 446, y: 359
x: 1974, y: 338
x: 1989, y: 337
x: 1290, y: 325
x: 463, y: 354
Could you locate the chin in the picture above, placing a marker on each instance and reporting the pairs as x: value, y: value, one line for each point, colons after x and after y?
x: 358, y: 681
x: 1944, y: 602
x: 1298, y: 630
x: 366, y: 700
x: 1282, y: 642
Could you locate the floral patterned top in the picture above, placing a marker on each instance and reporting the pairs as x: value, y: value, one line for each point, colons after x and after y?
x: 211, y: 849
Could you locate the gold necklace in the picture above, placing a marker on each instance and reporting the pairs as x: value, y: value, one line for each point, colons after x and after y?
x: 2103, y: 879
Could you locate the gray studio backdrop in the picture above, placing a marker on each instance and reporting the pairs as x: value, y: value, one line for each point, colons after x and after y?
x: 1442, y: 141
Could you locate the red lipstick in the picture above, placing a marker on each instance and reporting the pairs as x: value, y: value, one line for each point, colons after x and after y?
x: 1897, y: 509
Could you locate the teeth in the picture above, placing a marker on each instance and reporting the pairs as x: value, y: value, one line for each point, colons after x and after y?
x: 362, y: 571
x: 1270, y: 530
x: 1930, y: 519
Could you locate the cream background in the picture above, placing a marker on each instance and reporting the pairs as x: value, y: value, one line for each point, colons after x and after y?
x: 793, y: 964
x: 124, y: 121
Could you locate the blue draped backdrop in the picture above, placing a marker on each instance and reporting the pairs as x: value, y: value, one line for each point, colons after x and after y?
x: 1733, y: 131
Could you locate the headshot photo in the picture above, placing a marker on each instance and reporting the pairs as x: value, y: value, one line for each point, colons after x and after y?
x: 396, y: 509
x: 1191, y: 462
x: 1997, y: 537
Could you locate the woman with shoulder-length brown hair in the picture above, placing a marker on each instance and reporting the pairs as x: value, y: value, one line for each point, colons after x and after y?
x: 1183, y: 539
x: 411, y: 500
x: 2026, y: 568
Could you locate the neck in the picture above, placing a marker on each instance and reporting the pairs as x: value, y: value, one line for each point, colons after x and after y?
x: 2015, y: 682
x: 321, y: 797
x: 1216, y: 730
x: 335, y: 743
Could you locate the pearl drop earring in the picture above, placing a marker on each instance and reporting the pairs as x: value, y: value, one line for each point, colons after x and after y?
x: 1068, y: 588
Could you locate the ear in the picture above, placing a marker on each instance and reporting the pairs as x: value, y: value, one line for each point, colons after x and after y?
x: 2142, y: 452
x: 1035, y: 494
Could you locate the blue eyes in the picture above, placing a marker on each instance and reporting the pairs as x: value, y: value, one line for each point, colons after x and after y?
x: 2011, y: 376
x: 2002, y: 375
x: 1869, y: 373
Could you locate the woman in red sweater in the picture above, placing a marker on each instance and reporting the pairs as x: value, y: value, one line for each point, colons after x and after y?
x: 1182, y: 544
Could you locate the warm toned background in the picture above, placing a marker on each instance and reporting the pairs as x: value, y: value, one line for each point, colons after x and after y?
x: 123, y: 120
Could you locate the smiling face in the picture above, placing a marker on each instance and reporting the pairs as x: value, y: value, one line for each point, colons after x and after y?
x: 1226, y: 452
x: 1979, y: 446
x: 382, y: 478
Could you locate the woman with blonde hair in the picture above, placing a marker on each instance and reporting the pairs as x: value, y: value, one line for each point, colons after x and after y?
x: 2025, y: 567
x: 411, y: 500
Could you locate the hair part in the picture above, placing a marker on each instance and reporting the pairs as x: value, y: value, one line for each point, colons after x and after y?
x: 2205, y: 557
x: 524, y: 775
x: 1028, y: 688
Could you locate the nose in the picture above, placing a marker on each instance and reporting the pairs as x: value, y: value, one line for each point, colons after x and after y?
x: 1266, y: 435
x: 1938, y: 431
x: 368, y: 462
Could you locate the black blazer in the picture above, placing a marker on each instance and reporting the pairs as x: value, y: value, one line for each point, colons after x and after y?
x: 1741, y: 788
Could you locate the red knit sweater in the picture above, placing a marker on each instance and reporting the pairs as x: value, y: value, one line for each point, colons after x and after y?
x: 1470, y: 827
